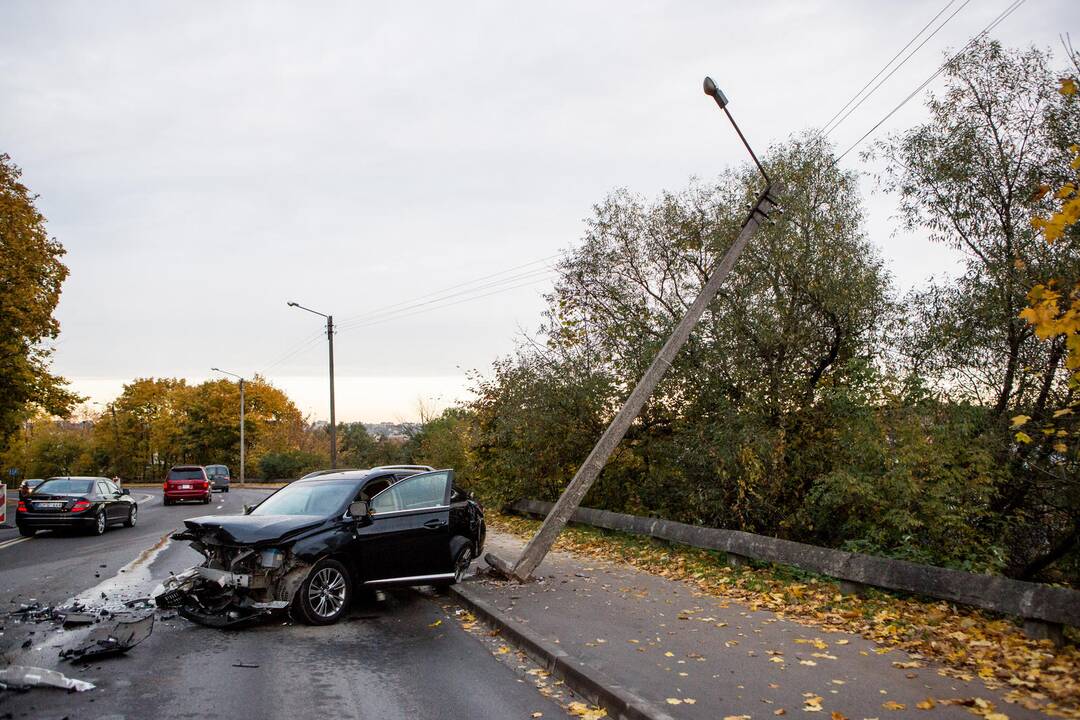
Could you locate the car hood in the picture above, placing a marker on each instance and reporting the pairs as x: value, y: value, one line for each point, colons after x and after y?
x: 248, y: 529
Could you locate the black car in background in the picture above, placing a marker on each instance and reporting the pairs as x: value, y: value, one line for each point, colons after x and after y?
x: 84, y: 503
x: 313, y: 543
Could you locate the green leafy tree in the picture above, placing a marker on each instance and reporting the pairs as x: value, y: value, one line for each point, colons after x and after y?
x: 31, y: 275
x: 973, y: 176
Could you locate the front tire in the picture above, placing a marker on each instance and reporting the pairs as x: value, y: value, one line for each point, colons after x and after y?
x: 325, y: 595
x: 133, y: 516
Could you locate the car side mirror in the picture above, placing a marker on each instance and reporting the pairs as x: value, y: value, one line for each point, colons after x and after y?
x: 359, y: 509
x: 125, y: 491
x: 248, y: 509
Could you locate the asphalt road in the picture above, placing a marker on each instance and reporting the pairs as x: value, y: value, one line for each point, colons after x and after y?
x: 399, y: 655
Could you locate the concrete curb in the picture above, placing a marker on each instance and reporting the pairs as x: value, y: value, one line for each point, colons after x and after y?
x: 583, y: 679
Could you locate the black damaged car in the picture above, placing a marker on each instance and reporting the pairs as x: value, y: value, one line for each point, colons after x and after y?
x: 311, y: 545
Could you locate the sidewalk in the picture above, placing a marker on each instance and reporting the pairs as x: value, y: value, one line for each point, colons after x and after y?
x: 692, y: 655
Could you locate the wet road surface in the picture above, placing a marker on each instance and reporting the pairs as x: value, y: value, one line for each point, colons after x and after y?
x: 399, y: 654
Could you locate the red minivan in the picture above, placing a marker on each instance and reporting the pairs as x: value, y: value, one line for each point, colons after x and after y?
x: 187, y: 482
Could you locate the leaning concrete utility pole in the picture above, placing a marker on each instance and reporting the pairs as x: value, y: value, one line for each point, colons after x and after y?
x: 571, y: 498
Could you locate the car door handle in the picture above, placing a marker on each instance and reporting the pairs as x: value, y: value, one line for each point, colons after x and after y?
x: 434, y: 524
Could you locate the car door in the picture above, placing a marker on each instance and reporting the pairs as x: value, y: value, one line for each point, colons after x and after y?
x: 117, y: 504
x: 108, y: 502
x: 408, y: 537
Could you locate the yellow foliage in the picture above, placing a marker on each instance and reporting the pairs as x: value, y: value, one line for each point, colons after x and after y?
x: 1052, y: 313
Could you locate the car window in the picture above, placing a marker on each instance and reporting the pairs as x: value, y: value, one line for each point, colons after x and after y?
x: 315, y: 498
x: 111, y: 488
x: 102, y: 489
x: 65, y: 486
x: 186, y: 474
x: 374, y: 487
x: 413, y: 493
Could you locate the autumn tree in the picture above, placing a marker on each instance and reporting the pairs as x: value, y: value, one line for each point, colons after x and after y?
x: 970, y: 177
x: 31, y: 276
x: 1054, y: 314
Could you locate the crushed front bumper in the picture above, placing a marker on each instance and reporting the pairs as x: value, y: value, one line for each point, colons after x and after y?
x: 222, y: 598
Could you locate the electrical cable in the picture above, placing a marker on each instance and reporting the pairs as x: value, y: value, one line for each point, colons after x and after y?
x: 1012, y: 7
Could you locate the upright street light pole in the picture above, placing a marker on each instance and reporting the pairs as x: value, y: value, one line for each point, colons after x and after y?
x: 242, y: 449
x: 330, y: 340
x: 586, y: 475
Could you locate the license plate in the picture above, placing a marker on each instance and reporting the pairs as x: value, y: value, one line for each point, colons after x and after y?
x: 49, y: 504
x: 185, y: 487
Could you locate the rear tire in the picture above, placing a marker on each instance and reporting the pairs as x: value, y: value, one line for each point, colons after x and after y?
x: 132, y: 517
x: 325, y: 596
x: 100, y: 524
x: 461, y: 566
x: 27, y: 532
x: 168, y: 501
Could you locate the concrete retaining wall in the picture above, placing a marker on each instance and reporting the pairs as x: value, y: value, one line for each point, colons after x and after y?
x: 1031, y: 601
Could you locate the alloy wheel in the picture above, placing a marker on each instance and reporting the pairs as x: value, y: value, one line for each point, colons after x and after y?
x: 133, y: 516
x: 100, y: 527
x: 326, y: 592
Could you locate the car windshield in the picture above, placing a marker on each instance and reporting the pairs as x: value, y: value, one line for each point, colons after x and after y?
x: 185, y: 475
x: 316, y: 498
x: 65, y: 486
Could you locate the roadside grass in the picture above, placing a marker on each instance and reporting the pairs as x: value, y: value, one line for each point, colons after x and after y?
x: 966, y: 643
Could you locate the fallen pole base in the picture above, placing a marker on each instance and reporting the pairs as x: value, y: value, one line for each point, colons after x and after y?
x: 503, y: 568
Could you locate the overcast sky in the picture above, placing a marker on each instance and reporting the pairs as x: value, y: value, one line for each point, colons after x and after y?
x: 203, y: 163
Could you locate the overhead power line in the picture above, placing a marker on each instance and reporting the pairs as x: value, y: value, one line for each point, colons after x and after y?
x: 534, y: 281
x: 408, y: 305
x: 366, y: 314
x: 497, y: 282
x: 829, y: 130
x: 1012, y: 7
x: 292, y: 352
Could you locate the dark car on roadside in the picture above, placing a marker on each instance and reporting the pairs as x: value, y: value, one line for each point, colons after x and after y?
x: 187, y: 482
x: 76, y: 503
x: 27, y: 486
x: 312, y: 544
x: 219, y: 477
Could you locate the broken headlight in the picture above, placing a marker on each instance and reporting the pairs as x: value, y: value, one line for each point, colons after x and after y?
x: 271, y: 558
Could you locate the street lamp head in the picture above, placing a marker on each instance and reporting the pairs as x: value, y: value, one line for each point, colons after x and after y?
x: 713, y: 91
x: 292, y: 304
x: 215, y: 369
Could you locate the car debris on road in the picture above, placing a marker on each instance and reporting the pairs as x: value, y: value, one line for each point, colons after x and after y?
x: 105, y: 641
x: 23, y: 677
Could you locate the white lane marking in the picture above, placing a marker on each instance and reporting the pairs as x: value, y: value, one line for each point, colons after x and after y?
x: 219, y: 507
x: 16, y: 541
x: 145, y: 498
